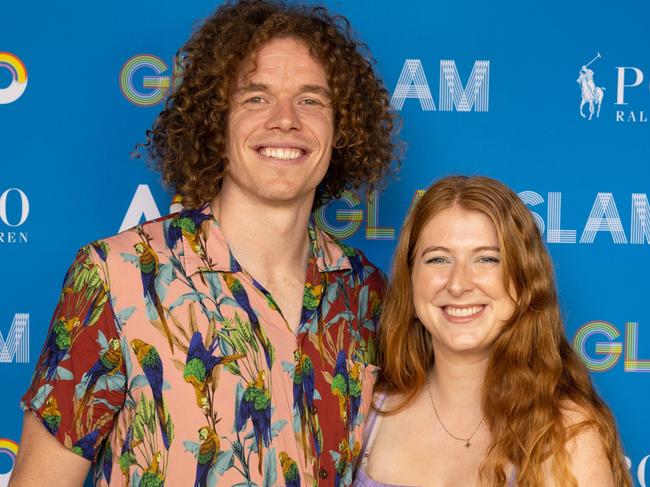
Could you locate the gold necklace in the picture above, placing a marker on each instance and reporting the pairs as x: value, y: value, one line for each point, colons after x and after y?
x: 435, y: 410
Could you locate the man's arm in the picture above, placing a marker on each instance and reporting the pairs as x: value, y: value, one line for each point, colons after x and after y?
x: 42, y: 460
x: 62, y: 430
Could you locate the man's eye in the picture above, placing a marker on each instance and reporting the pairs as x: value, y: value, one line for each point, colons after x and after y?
x: 311, y: 101
x: 255, y: 99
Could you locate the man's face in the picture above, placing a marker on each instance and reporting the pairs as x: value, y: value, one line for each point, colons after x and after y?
x: 280, y: 125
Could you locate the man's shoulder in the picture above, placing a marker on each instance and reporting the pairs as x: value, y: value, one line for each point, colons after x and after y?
x: 151, y: 234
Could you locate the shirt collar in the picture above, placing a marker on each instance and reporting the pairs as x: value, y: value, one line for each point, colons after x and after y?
x: 205, y: 247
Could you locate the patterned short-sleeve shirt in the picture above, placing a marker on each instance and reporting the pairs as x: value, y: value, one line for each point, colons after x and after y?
x: 167, y: 363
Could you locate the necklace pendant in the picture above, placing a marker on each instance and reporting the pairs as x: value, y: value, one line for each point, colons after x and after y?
x: 467, y: 444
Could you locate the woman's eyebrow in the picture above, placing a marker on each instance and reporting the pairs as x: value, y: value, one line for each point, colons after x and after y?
x: 439, y: 248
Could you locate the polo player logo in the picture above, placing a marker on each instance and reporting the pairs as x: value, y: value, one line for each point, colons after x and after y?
x: 591, y: 93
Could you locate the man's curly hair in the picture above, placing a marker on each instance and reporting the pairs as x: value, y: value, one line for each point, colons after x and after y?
x: 188, y: 140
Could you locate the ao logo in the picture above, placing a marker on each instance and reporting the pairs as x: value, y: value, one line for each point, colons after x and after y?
x: 18, y: 78
x: 155, y: 87
x: 413, y: 83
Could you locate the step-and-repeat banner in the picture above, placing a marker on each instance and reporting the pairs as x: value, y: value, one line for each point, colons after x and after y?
x: 552, y: 98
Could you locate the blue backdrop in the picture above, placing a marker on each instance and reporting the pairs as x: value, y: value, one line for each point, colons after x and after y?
x: 481, y: 88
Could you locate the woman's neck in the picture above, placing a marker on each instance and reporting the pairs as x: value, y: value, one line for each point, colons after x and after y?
x: 457, y: 384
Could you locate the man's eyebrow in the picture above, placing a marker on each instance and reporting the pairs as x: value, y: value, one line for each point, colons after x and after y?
x: 318, y: 89
x: 251, y: 87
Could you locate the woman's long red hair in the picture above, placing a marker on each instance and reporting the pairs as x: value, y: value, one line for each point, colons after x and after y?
x: 533, y: 374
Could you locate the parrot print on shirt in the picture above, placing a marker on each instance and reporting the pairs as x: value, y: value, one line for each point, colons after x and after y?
x: 207, y: 455
x: 148, y: 262
x: 109, y: 363
x: 152, y: 366
x: 239, y: 294
x: 161, y: 322
x: 256, y: 405
x: 152, y: 476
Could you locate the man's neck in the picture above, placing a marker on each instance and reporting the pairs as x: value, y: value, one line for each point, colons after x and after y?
x: 266, y: 239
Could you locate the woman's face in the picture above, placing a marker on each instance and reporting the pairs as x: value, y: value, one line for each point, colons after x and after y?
x: 457, y: 280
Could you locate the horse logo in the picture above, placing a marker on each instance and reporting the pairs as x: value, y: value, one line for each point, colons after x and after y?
x: 591, y: 93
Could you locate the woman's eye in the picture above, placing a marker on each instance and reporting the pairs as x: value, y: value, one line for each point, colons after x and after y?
x: 488, y: 260
x: 436, y: 260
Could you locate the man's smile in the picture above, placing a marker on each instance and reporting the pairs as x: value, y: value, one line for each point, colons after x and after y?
x: 283, y: 153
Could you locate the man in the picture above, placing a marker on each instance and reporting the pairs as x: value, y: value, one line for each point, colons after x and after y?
x: 233, y: 342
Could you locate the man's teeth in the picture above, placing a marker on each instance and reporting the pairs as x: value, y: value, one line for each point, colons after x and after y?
x: 462, y: 312
x: 281, y: 153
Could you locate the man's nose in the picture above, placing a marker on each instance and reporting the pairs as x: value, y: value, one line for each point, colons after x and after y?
x: 284, y: 116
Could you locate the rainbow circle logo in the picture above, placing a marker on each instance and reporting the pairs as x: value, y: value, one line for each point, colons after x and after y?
x: 19, y: 78
x: 10, y: 448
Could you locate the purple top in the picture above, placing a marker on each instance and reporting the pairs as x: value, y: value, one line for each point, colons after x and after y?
x: 361, y: 478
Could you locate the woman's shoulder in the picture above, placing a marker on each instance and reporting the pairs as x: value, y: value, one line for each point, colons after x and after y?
x: 585, y: 446
x: 577, y: 420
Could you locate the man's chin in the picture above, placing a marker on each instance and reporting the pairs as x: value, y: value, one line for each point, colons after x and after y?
x: 285, y: 195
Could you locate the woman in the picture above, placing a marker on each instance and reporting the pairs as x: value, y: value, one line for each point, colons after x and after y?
x: 479, y: 385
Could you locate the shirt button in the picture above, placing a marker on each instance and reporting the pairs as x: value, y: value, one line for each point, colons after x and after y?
x: 322, y: 473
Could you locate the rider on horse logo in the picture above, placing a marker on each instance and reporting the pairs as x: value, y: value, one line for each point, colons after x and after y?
x: 591, y: 93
